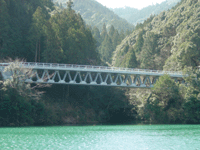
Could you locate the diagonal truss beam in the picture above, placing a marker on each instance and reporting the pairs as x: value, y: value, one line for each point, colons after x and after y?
x: 85, y: 77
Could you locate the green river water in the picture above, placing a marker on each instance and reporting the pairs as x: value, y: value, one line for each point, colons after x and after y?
x: 131, y: 137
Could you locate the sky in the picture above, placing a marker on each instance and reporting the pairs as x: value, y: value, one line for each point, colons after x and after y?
x: 139, y: 4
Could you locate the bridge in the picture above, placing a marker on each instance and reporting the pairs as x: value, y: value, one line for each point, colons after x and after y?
x: 91, y: 75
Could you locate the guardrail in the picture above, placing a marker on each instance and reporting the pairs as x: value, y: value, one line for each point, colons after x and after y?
x: 74, y: 66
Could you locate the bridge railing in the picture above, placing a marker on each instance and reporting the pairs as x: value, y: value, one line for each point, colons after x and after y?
x: 89, y: 67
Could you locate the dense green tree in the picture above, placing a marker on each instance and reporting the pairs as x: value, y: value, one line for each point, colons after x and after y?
x: 96, y: 35
x: 122, y: 35
x: 131, y: 59
x: 102, y: 44
x: 19, y: 20
x: 38, y: 23
x: 20, y: 103
x: 191, y: 94
x: 106, y: 49
x: 103, y: 32
x: 148, y: 52
x: 165, y: 103
x: 69, y: 40
x: 69, y: 5
x: 192, y: 108
x: 52, y: 53
x: 187, y: 52
x: 139, y: 43
x: 4, y: 28
x: 111, y: 31
x: 167, y: 92
x: 116, y: 39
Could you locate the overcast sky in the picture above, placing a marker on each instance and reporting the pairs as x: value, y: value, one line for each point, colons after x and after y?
x: 139, y: 4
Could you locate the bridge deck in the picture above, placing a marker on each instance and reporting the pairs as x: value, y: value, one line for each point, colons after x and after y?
x: 91, y: 75
x: 89, y: 68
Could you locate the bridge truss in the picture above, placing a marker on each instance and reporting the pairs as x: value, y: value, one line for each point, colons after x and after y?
x: 92, y: 75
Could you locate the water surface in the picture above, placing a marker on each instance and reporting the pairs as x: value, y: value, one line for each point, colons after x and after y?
x: 133, y: 137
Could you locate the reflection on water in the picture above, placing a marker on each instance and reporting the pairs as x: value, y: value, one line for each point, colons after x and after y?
x: 135, y: 137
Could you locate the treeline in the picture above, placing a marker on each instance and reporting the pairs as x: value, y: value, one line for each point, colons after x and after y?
x: 28, y: 31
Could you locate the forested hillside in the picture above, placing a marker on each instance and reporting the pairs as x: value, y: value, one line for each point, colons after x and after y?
x: 35, y: 31
x: 134, y: 16
x: 95, y: 14
x: 169, y: 41
x: 107, y: 41
x: 29, y: 32
x: 15, y: 25
x: 107, y: 28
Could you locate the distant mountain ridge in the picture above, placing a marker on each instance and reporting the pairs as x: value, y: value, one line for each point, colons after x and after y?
x: 95, y: 14
x: 134, y: 16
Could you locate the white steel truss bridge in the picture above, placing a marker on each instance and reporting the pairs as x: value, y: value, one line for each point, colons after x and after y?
x: 92, y: 75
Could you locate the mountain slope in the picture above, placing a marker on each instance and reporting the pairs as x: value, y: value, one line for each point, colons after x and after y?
x: 135, y: 16
x: 96, y: 14
x: 168, y: 41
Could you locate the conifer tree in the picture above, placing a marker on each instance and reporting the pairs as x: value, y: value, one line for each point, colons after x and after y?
x: 69, y: 5
x: 103, y: 33
x: 96, y: 35
x: 148, y: 51
x: 139, y: 43
x: 38, y: 23
x: 4, y: 28
x: 106, y: 49
x: 52, y: 53
x: 122, y: 35
x: 131, y: 59
x: 111, y: 31
x: 116, y: 39
x: 72, y: 41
